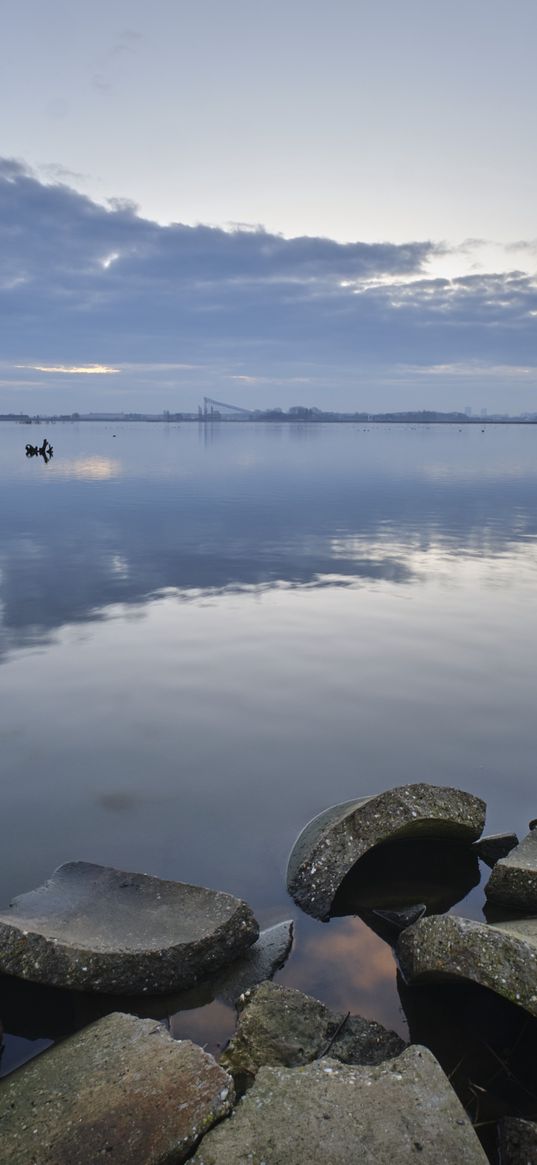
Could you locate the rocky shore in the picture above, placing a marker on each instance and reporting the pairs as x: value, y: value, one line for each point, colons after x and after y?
x: 297, y: 1082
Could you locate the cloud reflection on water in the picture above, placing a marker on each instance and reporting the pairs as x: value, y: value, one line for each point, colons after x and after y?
x: 246, y: 630
x: 91, y: 468
x: 247, y: 515
x: 350, y: 964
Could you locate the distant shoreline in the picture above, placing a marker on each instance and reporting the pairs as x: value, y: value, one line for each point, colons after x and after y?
x: 284, y: 419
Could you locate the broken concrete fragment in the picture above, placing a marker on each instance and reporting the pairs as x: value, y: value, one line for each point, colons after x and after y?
x: 92, y: 928
x: 495, y: 846
x: 501, y: 957
x: 121, y: 1090
x: 39, y: 1012
x: 517, y: 1141
x: 401, y: 919
x: 258, y: 964
x: 513, y: 881
x: 333, y: 842
x: 402, y: 1110
x: 279, y: 1025
x: 389, y: 924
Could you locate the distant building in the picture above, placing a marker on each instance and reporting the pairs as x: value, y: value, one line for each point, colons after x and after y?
x: 467, y: 411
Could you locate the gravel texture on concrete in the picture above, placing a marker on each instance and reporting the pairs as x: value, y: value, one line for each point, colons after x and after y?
x: 333, y: 842
x: 279, y: 1025
x: 121, y: 1091
x: 403, y: 1110
x: 92, y: 928
x: 501, y: 957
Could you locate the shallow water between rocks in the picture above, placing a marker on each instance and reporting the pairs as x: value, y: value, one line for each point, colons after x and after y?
x: 209, y: 633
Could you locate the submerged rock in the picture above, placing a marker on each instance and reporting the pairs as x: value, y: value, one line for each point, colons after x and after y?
x: 279, y: 1025
x: 517, y: 1141
x: 92, y: 928
x: 513, y: 881
x: 333, y: 842
x: 501, y: 957
x: 495, y: 846
x: 403, y: 1110
x: 121, y: 1090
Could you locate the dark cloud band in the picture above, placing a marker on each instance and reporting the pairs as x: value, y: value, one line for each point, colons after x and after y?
x: 80, y: 281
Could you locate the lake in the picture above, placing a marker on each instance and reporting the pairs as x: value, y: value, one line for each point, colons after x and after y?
x: 209, y: 633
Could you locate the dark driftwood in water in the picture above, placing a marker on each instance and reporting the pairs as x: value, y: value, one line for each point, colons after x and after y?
x: 45, y: 450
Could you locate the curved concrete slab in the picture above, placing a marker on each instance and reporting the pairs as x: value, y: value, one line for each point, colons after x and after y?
x: 333, y: 842
x: 36, y: 1011
x: 500, y: 956
x: 93, y: 928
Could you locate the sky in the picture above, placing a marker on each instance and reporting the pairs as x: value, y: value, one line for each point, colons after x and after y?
x: 294, y: 203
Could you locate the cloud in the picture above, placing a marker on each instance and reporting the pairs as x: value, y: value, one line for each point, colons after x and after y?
x: 55, y: 172
x: 77, y: 277
x: 72, y: 369
x: 125, y: 44
x: 522, y: 245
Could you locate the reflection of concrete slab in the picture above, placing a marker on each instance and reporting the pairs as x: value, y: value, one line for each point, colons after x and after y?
x: 92, y: 928
x: 121, y: 1090
x: 501, y: 957
x: 513, y: 881
x: 333, y: 842
x: 396, y: 874
x: 403, y: 1110
x: 280, y: 1025
x: 485, y: 1045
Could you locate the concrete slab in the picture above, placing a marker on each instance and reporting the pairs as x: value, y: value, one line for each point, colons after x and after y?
x: 495, y: 846
x: 501, y: 957
x: 279, y: 1025
x: 121, y: 1090
x: 333, y: 842
x: 92, y: 928
x: 260, y: 962
x: 513, y: 882
x: 403, y: 1110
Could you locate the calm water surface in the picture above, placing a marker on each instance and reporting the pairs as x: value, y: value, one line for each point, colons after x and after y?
x: 209, y: 634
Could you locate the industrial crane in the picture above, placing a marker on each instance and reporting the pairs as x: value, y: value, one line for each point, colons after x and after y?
x: 209, y: 406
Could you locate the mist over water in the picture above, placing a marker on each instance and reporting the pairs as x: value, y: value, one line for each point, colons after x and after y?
x: 210, y: 633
